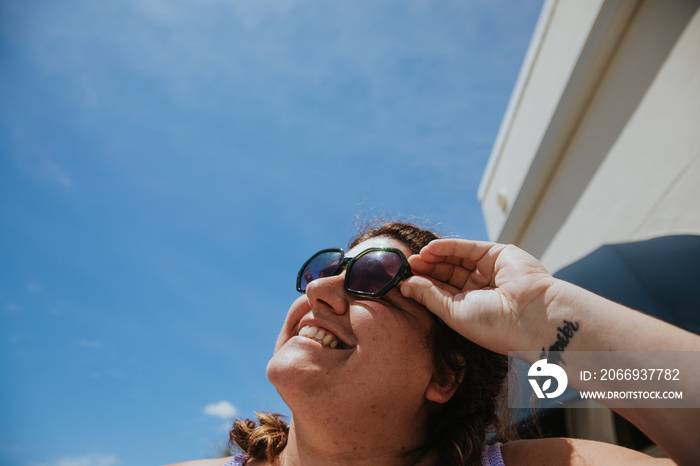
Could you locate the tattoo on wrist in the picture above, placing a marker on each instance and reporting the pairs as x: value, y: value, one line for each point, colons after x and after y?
x: 564, y: 335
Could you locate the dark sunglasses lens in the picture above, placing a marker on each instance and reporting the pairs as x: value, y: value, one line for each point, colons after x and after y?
x: 373, y: 271
x: 320, y: 266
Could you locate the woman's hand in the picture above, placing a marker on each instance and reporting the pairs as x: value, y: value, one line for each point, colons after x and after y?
x: 503, y: 299
x: 492, y: 294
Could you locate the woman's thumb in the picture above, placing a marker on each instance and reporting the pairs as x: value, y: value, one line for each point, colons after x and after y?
x: 425, y: 292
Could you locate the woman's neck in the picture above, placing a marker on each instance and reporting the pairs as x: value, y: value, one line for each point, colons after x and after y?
x: 370, y: 444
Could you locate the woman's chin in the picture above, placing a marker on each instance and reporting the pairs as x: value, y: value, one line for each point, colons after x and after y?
x: 304, y: 367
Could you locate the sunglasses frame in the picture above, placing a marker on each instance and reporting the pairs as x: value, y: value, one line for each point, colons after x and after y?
x: 347, y: 263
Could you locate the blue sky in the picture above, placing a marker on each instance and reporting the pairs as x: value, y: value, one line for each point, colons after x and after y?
x: 166, y: 167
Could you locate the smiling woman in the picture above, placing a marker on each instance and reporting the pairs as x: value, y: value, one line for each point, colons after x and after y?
x: 402, y: 366
x: 399, y: 370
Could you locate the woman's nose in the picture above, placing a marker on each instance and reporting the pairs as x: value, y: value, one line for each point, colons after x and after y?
x: 328, y: 293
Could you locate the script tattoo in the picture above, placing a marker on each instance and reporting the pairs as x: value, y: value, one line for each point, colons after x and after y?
x: 564, y: 335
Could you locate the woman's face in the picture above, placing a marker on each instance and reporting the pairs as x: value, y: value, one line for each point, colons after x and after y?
x: 383, y: 357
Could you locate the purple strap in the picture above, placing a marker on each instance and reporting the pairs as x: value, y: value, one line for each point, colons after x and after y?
x: 491, y: 455
x: 238, y: 460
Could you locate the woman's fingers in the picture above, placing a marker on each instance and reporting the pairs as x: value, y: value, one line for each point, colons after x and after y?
x: 457, y: 250
x: 454, y: 261
x: 423, y: 281
x: 444, y: 272
x: 436, y: 296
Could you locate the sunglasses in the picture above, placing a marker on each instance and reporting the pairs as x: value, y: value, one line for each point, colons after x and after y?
x: 371, y: 273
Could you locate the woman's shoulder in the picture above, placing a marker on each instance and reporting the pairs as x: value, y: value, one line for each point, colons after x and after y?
x: 208, y: 462
x: 557, y: 451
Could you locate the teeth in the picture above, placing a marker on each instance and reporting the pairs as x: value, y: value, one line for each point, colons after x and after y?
x: 323, y: 336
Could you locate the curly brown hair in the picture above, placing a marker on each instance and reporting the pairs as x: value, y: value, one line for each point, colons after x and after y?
x: 456, y: 430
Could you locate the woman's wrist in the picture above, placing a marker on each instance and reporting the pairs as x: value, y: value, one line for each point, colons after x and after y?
x: 558, y: 319
x: 590, y: 322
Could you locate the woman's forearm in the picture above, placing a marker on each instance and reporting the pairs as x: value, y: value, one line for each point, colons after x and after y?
x: 587, y: 322
x: 603, y: 325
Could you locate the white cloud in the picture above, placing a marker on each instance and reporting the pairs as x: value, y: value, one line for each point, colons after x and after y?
x: 222, y: 409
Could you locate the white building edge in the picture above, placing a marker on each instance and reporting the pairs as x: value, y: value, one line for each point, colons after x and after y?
x: 601, y: 140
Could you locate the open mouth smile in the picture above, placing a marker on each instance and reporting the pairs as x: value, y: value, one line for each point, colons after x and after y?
x: 323, y: 336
